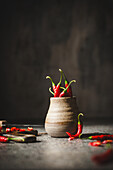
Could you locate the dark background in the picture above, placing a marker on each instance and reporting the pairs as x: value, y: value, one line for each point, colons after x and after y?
x: 37, y: 38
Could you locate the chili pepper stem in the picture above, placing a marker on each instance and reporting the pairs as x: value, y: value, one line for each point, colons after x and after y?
x: 72, y: 81
x: 48, y: 77
x: 80, y: 114
x: 63, y: 75
x: 51, y: 91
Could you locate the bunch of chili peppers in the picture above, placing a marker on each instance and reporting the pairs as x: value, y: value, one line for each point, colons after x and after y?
x: 59, y: 91
x: 4, y: 139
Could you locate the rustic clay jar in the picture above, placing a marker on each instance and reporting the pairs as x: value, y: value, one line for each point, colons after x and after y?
x: 61, y: 116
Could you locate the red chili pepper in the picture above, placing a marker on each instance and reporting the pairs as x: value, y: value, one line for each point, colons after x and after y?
x: 22, y: 130
x: 13, y: 129
x: 30, y: 128
x: 95, y: 143
x: 53, y: 84
x: 63, y: 93
x: 56, y: 89
x: 101, y: 137
x: 107, y: 141
x: 8, y: 130
x: 79, y: 131
x: 69, y: 90
x: 3, y: 139
x: 103, y: 158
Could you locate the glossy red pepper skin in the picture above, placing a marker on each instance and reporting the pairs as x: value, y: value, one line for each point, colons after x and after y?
x: 101, y: 137
x: 79, y: 131
x: 3, y: 139
x: 103, y: 158
x: 95, y: 143
x: 107, y: 141
x: 69, y: 90
x: 53, y: 84
x: 64, y: 92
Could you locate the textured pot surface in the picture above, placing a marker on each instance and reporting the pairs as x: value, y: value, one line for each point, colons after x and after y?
x: 62, y: 116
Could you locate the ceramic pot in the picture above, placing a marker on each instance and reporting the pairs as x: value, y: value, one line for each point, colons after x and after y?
x: 61, y: 116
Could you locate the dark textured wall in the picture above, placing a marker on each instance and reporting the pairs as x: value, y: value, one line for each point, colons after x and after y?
x: 38, y: 38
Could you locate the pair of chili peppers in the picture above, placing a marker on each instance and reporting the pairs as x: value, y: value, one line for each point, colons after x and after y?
x: 79, y: 131
x: 99, y: 143
x: 67, y: 91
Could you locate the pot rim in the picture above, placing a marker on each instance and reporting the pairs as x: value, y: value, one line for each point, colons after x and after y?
x: 60, y: 98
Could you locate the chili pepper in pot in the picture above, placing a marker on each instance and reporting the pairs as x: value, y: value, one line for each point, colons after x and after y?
x: 56, y: 89
x: 69, y: 90
x: 53, y: 84
x: 63, y: 93
x: 79, y: 131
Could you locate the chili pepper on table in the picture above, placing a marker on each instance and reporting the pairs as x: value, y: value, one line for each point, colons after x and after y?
x: 104, y: 157
x: 100, y: 137
x: 79, y: 131
x: 63, y: 93
x: 3, y: 139
x: 69, y: 90
x: 95, y: 143
x: 107, y: 141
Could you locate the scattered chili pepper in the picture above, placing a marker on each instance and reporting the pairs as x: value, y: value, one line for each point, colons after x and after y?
x: 3, y: 139
x: 103, y: 158
x: 101, y: 137
x: 79, y: 131
x: 22, y: 130
x: 63, y: 93
x: 30, y: 128
x: 107, y: 141
x: 95, y: 143
x: 13, y: 129
x: 8, y: 130
x: 69, y: 90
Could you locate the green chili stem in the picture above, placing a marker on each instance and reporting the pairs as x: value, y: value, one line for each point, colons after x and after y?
x: 51, y: 91
x: 48, y: 77
x: 60, y: 79
x: 69, y: 85
x: 80, y: 114
x: 66, y: 82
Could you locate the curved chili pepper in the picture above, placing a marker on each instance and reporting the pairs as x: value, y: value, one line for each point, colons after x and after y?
x: 63, y: 93
x: 107, y: 141
x: 79, y: 131
x: 69, y: 90
x: 57, y: 90
x: 3, y: 139
x: 103, y: 158
x: 53, y: 84
x: 51, y: 91
x: 101, y: 137
x: 95, y: 143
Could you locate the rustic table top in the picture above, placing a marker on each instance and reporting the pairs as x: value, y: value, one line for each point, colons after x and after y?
x: 54, y: 153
